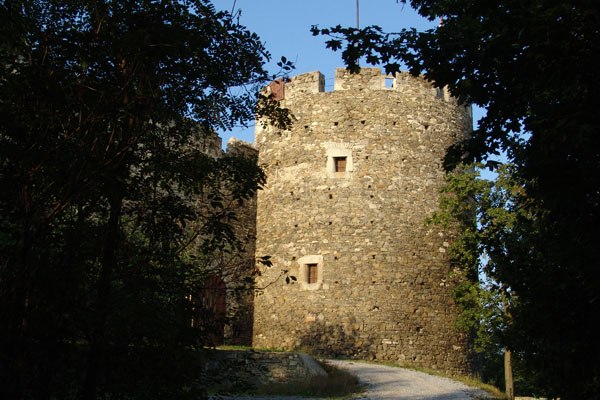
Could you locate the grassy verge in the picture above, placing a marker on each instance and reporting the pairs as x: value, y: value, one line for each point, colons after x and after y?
x: 250, y: 348
x: 492, y: 390
x: 337, y: 384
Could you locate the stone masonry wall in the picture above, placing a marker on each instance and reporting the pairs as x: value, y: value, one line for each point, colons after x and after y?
x: 233, y: 266
x: 251, y: 368
x: 240, y: 264
x: 382, y: 288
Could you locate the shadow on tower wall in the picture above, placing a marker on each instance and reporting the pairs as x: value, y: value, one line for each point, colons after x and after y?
x: 336, y: 341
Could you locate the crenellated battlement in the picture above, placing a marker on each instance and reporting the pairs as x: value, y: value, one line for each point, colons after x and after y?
x: 366, y: 79
x: 310, y: 82
x: 237, y: 146
x: 211, y: 144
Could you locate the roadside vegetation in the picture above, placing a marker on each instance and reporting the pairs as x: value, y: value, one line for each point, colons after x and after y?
x: 113, y: 217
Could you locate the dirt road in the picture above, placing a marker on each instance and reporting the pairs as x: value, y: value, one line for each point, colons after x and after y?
x: 389, y: 383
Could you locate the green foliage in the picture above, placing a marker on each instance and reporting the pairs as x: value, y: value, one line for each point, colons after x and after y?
x: 532, y: 66
x: 111, y: 212
x: 492, y: 231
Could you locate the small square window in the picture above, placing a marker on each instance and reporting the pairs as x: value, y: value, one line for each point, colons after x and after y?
x: 312, y: 273
x: 339, y: 164
x: 310, y: 269
x: 389, y: 82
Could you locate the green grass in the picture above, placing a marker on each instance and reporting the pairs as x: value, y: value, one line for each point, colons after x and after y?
x: 250, y: 348
x: 473, y: 382
x: 234, y: 347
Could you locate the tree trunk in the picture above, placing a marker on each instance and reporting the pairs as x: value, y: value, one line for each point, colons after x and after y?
x: 109, y: 261
x: 509, y: 385
x: 508, y: 375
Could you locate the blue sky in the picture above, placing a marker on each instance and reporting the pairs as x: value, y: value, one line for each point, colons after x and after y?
x: 284, y: 27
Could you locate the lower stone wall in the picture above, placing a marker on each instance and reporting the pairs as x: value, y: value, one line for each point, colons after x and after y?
x: 226, y: 368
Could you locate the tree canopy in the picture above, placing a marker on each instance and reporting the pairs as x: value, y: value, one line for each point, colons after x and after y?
x: 532, y: 66
x: 105, y: 111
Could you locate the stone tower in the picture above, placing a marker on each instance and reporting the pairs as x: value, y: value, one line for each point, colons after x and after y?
x: 349, y: 187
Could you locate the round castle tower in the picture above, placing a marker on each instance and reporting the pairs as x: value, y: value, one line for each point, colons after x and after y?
x: 349, y: 187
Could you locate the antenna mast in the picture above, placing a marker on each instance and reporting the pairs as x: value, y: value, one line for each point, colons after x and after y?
x: 357, y: 25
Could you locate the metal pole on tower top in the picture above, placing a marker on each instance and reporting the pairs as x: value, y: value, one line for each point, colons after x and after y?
x: 357, y: 24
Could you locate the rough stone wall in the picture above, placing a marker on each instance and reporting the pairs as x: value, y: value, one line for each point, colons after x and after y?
x: 240, y: 265
x: 382, y: 289
x: 234, y: 266
x: 209, y: 143
x: 251, y: 368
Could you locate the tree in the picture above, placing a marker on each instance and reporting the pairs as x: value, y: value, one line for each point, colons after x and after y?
x: 104, y: 107
x: 492, y: 230
x: 531, y: 66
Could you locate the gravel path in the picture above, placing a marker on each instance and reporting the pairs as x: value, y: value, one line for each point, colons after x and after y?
x: 390, y: 383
